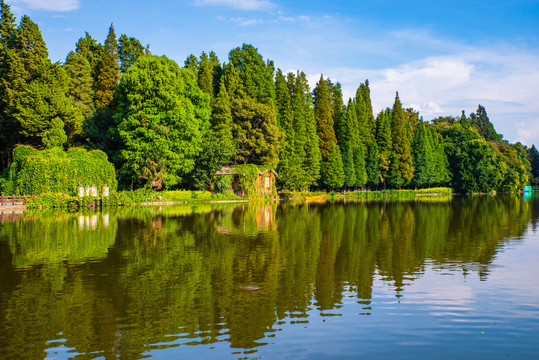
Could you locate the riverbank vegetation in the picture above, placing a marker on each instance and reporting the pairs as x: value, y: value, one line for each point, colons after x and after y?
x: 152, y: 124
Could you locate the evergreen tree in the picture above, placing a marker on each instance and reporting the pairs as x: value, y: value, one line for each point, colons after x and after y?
x: 324, y: 118
x: 533, y: 156
x: 255, y: 131
x: 221, y: 118
x: 192, y: 63
x: 401, y: 144
x: 90, y: 49
x: 365, y: 118
x: 395, y: 179
x: 283, y: 106
x: 372, y: 165
x: 55, y: 136
x: 34, y: 90
x: 334, y: 176
x: 359, y: 163
x: 481, y: 122
x: 129, y: 50
x: 337, y: 104
x: 350, y: 178
x: 256, y: 76
x: 108, y: 72
x: 205, y: 75
x: 440, y: 172
x: 384, y: 142
x: 423, y: 156
x: 7, y: 25
x: 80, y: 83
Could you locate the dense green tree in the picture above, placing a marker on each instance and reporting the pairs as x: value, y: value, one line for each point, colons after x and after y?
x: 7, y: 24
x: 384, y: 141
x: 359, y: 163
x: 108, y: 72
x: 255, y: 131
x: 80, y: 90
x: 34, y: 90
x: 350, y: 178
x: 337, y: 104
x: 423, y: 156
x: 439, y: 169
x: 475, y: 164
x: 129, y: 50
x: 334, y: 176
x: 481, y: 122
x: 365, y: 118
x: 394, y: 178
x: 192, y: 63
x: 256, y: 76
x: 90, y: 49
x: 324, y: 118
x: 215, y: 153
x: 221, y: 118
x: 372, y: 165
x: 162, y: 116
x: 533, y: 157
x: 401, y: 144
x: 55, y: 136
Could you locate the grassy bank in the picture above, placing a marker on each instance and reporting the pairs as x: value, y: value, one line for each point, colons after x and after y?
x: 148, y: 197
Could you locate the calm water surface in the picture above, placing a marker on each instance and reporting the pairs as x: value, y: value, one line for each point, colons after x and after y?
x: 432, y: 278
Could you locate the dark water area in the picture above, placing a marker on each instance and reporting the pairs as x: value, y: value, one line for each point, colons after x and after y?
x: 429, y: 278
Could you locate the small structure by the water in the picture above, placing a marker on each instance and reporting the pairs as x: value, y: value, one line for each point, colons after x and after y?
x: 248, y: 180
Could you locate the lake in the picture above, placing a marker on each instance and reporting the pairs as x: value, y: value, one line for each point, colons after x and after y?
x: 432, y: 277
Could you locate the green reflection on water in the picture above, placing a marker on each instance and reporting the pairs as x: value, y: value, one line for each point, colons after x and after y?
x: 130, y: 280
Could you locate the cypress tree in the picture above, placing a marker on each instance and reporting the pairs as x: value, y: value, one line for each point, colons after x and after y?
x: 129, y: 50
x: 90, y: 49
x: 192, y: 63
x: 481, y: 122
x: 372, y: 165
x: 256, y: 76
x: 108, y: 72
x: 365, y: 118
x: 350, y: 178
x: 440, y: 172
x: 205, y: 75
x: 401, y: 145
x: 395, y: 179
x: 423, y: 157
x: 383, y: 139
x: 359, y: 163
x: 80, y: 83
x: 7, y: 25
x: 324, y: 118
x: 334, y: 172
x: 221, y: 118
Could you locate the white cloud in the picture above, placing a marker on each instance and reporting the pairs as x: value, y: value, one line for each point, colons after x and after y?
x: 238, y: 4
x: 246, y: 22
x: 50, y: 5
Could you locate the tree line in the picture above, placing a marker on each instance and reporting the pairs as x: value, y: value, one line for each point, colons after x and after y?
x: 169, y: 126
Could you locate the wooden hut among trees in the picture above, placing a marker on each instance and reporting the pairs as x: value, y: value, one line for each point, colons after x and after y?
x: 247, y: 180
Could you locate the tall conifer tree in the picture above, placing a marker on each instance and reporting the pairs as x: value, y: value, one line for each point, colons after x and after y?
x: 108, y: 72
x: 324, y: 118
x: 401, y: 145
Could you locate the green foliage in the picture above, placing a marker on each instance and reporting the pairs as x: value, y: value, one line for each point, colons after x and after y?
x: 57, y: 171
x: 373, y: 165
x: 162, y: 116
x: 129, y: 50
x: 324, y: 118
x: 55, y: 136
x: 256, y: 76
x: 350, y: 178
x: 80, y: 86
x: 403, y: 164
x: 256, y: 134
x: 359, y: 163
x: 533, y: 157
x: 108, y: 72
x: 476, y: 166
x: 481, y: 122
x: 334, y: 176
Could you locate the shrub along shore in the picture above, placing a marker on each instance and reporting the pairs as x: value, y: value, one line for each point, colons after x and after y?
x: 145, y: 197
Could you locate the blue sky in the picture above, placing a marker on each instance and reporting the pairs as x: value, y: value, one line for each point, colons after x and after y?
x: 442, y: 56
